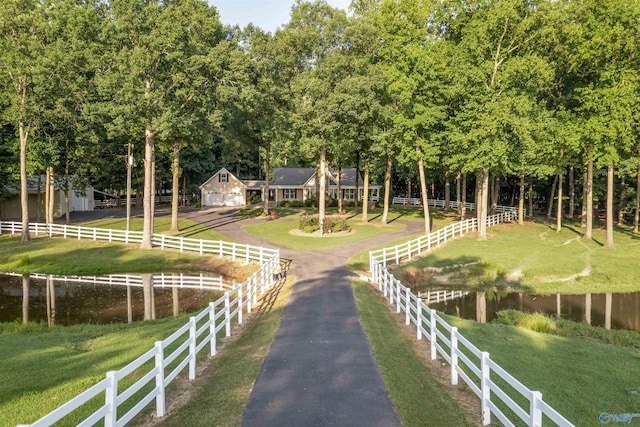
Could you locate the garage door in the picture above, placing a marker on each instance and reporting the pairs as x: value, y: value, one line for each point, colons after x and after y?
x: 213, y: 199
x: 233, y: 199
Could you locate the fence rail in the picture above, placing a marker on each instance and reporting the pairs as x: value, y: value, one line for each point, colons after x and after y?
x: 473, y: 366
x: 161, y: 280
x: 216, y: 247
x: 150, y: 374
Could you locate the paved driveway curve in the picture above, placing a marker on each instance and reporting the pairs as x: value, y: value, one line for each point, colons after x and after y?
x: 320, y: 370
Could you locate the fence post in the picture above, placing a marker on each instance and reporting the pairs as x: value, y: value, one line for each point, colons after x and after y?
x: 192, y: 348
x: 212, y: 327
x: 407, y: 306
x: 249, y: 294
x: 419, y: 318
x: 254, y: 280
x: 160, y: 401
x: 233, y: 251
x: 398, y: 296
x: 485, y: 391
x: 432, y: 332
x: 110, y: 399
x: 534, y: 409
x: 227, y: 314
x: 454, y: 356
x: 240, y: 303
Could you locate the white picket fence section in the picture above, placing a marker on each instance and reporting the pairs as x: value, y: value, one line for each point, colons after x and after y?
x: 161, y: 280
x: 216, y: 247
x: 437, y: 296
x: 453, y: 204
x: 495, y: 387
x: 158, y: 367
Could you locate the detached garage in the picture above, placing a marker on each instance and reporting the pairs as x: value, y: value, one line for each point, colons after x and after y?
x: 223, y: 189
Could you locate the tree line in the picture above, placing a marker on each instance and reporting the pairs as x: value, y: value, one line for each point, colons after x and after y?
x: 539, y: 97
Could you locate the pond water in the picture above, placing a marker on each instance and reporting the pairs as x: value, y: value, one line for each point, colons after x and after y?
x: 612, y: 311
x: 74, y: 300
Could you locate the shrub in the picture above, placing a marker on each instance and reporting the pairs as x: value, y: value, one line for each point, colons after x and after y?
x: 296, y: 203
x: 310, y: 203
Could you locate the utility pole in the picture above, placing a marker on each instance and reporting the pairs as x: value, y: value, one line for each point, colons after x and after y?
x: 129, y: 166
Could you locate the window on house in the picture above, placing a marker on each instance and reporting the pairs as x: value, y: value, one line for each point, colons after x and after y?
x: 224, y: 177
x: 289, y: 194
x: 349, y: 193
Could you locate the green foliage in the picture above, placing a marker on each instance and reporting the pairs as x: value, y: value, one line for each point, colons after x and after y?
x: 566, y: 328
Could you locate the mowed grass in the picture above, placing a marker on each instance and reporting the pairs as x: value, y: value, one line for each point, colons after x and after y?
x: 280, y: 233
x: 188, y: 228
x: 81, y: 257
x: 43, y: 367
x: 535, y: 258
x: 419, y: 399
x: 579, y: 378
x: 221, y: 395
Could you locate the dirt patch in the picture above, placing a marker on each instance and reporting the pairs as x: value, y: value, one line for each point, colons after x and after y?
x: 225, y: 267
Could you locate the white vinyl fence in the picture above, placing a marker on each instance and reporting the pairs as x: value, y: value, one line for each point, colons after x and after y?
x: 147, y: 377
x: 496, y: 388
x: 161, y: 280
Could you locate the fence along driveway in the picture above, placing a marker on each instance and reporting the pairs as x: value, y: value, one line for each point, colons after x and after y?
x: 475, y: 367
x: 147, y: 377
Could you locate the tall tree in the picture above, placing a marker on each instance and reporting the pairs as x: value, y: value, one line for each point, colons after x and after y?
x: 156, y: 53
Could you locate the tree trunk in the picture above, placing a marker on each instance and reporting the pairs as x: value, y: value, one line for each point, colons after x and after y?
x: 589, y: 198
x: 479, y: 178
x: 521, y: 202
x: 357, y: 195
x: 175, y: 188
x: 458, y: 177
x: 365, y: 191
x: 387, y: 189
x: 39, y: 196
x: 463, y: 208
x: 495, y: 193
x: 267, y: 171
x: 484, y: 196
x: 559, y: 211
x: 66, y: 184
x: 447, y: 191
x: 583, y: 208
x: 572, y: 191
x: 24, y: 190
x: 339, y: 182
x: 636, y: 219
x: 47, y: 193
x: 623, y: 196
x: 323, y: 185
x: 610, y: 177
x: 423, y: 188
x: 551, y: 196
x: 149, y: 190
x: 530, y: 198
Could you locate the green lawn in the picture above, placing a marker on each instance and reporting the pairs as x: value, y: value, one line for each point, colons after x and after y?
x: 418, y: 397
x: 278, y: 232
x: 579, y: 378
x: 535, y: 258
x: 42, y: 367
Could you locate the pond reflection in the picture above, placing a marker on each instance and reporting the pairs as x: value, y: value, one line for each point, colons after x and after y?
x: 69, y: 300
x: 612, y: 311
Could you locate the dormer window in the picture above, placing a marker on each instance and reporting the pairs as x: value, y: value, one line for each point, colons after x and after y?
x: 224, y: 177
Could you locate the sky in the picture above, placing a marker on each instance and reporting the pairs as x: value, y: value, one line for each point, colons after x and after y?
x: 266, y: 14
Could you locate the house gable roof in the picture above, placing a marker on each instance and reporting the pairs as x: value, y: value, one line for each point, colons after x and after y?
x: 294, y: 177
x: 218, y: 173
